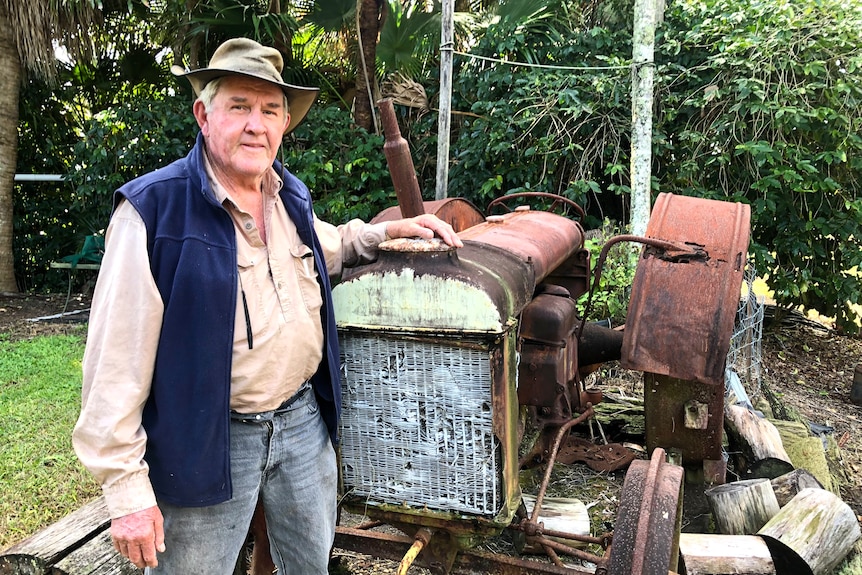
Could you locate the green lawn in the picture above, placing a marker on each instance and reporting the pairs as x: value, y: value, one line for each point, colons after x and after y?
x: 40, y: 396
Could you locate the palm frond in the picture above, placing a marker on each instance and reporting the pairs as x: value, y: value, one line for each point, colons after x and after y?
x: 37, y: 27
x: 406, y: 92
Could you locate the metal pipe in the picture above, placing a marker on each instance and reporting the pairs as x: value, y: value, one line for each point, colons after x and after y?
x: 421, y: 539
x: 537, y: 507
x: 39, y: 177
x: 556, y: 546
x: 400, y: 163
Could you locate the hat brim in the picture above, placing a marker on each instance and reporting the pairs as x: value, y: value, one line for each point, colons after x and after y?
x: 300, y: 98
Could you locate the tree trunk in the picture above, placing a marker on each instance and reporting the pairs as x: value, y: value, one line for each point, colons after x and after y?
x: 643, y: 48
x: 10, y: 71
x: 369, y: 22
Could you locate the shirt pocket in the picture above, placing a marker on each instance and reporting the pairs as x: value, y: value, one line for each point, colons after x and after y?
x: 249, y: 315
x: 306, y: 278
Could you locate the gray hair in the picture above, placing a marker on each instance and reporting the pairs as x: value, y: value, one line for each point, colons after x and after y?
x: 212, y: 87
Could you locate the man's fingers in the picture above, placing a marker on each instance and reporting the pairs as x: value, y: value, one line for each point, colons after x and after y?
x: 148, y: 556
x: 159, y: 527
x: 133, y: 554
x: 138, y: 536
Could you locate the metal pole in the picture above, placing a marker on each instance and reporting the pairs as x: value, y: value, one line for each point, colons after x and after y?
x: 447, y: 46
x: 39, y: 177
x: 643, y: 48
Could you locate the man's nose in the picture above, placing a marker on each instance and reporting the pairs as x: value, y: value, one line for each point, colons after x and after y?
x: 254, y: 122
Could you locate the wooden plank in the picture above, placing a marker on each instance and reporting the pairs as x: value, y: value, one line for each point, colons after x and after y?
x: 96, y: 557
x: 36, y: 554
x: 712, y: 554
x: 561, y: 514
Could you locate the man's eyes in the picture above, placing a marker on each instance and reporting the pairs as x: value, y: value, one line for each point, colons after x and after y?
x: 245, y: 108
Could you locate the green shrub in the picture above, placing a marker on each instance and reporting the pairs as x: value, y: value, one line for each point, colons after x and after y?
x: 610, y: 297
x: 757, y: 101
x: 343, y: 166
x: 762, y: 103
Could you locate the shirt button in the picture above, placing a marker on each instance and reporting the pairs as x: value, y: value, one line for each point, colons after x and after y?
x: 248, y: 225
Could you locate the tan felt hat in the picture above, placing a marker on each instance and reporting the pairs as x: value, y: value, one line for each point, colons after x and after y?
x: 245, y: 57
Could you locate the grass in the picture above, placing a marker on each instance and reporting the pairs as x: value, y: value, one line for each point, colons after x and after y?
x: 41, y: 480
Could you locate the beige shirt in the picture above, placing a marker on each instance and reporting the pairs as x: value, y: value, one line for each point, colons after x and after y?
x: 283, y: 297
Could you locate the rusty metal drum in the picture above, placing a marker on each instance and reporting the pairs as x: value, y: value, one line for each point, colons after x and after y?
x: 682, y: 310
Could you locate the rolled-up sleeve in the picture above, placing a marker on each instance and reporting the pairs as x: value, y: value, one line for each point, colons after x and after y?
x: 123, y: 334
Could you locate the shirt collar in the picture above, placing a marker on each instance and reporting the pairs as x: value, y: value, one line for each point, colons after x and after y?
x: 271, y: 182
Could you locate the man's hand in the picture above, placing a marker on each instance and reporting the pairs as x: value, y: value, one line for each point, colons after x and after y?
x: 424, y: 226
x: 138, y: 536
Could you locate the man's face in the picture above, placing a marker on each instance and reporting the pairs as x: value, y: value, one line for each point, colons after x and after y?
x: 243, y: 127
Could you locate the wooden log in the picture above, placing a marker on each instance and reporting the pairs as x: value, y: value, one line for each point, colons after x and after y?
x: 807, y: 451
x: 96, y: 557
x: 742, y: 507
x: 713, y: 554
x: 759, y: 443
x: 36, y: 554
x: 788, y: 485
x: 811, y: 534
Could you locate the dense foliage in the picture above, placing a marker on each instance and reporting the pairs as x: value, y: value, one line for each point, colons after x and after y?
x: 762, y: 103
x: 757, y: 101
x: 559, y: 129
x: 44, y: 227
x: 343, y: 166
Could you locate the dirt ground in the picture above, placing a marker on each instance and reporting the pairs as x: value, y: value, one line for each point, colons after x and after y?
x: 807, y: 365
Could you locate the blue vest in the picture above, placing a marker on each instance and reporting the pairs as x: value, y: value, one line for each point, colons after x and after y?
x: 191, y: 244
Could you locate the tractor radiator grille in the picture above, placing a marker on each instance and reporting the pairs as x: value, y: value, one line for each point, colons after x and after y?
x: 417, y: 424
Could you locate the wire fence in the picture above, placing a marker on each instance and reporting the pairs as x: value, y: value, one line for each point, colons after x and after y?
x: 745, y: 357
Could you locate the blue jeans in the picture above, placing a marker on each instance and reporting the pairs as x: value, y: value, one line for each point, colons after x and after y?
x: 284, y: 457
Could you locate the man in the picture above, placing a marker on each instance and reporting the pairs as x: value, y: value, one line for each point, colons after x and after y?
x: 211, y: 374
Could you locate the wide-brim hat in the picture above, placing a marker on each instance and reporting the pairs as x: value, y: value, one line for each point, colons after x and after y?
x: 245, y: 57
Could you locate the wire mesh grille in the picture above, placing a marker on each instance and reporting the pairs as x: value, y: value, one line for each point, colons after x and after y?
x: 745, y: 357
x: 416, y: 426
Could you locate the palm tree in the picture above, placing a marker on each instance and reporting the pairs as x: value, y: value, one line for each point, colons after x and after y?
x: 370, y: 21
x: 28, y: 32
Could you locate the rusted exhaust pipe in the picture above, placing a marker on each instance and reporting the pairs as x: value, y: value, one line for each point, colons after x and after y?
x: 400, y: 163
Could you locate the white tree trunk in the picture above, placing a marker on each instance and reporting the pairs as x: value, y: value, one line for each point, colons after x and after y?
x: 643, y: 48
x: 447, y: 38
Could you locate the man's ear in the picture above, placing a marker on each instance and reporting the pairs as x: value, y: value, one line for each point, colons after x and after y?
x: 286, y: 124
x: 200, y: 112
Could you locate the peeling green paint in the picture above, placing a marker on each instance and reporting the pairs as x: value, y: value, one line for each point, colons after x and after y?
x: 411, y: 301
